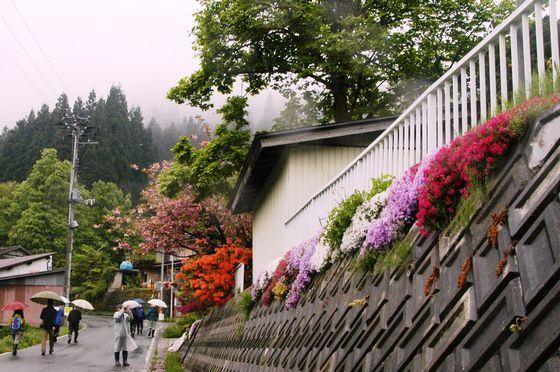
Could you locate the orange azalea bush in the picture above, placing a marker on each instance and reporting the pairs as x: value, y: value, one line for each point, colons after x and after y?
x: 209, y: 279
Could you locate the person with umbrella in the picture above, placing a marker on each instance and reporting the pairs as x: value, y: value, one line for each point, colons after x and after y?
x: 17, y: 325
x: 17, y: 322
x: 133, y: 321
x: 48, y: 317
x: 140, y: 319
x: 123, y: 341
x: 74, y: 318
x: 58, y: 321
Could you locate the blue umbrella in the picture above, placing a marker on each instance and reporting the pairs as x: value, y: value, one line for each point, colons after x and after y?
x: 140, y: 301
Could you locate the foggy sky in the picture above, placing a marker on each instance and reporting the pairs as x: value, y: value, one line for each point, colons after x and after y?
x: 143, y: 46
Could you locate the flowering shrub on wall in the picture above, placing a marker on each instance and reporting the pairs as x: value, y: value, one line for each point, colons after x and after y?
x: 356, y: 218
x: 300, y: 260
x: 320, y: 258
x: 468, y: 159
x: 263, y: 279
x: 279, y: 276
x: 340, y: 218
x: 428, y: 192
x: 400, y: 210
x: 356, y: 233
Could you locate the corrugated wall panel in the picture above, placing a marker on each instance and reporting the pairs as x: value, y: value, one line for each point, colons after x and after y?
x: 301, y: 171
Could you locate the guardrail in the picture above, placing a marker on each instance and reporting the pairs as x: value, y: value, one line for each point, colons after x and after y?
x: 480, y: 84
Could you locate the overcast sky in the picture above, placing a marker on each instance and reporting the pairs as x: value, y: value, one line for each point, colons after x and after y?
x: 144, y: 46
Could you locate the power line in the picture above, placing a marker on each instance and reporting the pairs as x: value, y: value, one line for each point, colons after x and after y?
x: 27, y: 54
x: 39, y: 46
x: 24, y: 73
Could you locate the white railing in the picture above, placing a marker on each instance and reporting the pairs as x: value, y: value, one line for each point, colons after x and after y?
x: 478, y: 85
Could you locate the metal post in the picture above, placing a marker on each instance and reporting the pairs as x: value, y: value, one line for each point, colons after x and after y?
x: 70, y: 241
x: 161, y: 276
x: 172, y: 276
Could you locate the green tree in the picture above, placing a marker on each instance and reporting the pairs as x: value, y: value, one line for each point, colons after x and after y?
x: 108, y: 197
x: 38, y: 208
x: 213, y: 168
x: 92, y: 272
x: 40, y: 229
x: 6, y: 220
x: 355, y: 57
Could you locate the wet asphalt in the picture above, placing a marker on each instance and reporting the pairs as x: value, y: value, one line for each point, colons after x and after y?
x: 93, y: 352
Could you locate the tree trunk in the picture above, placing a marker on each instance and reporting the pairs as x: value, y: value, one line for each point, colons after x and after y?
x: 340, y: 102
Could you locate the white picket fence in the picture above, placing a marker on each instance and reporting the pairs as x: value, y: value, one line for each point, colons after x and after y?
x: 474, y: 88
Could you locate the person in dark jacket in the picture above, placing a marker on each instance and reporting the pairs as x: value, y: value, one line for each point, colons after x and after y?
x: 133, y: 321
x: 48, y: 317
x: 74, y: 324
x: 152, y: 317
x: 140, y: 320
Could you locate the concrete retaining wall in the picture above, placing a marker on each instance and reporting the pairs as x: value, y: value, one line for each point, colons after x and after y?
x: 400, y: 328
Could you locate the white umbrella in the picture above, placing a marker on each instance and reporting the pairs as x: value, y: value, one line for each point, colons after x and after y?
x: 66, y: 301
x: 83, y: 304
x: 130, y: 304
x: 158, y: 303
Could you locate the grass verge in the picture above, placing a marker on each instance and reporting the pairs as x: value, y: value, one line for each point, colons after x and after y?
x: 173, y: 362
x: 31, y: 336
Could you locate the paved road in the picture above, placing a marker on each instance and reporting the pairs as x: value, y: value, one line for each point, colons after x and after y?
x: 93, y: 352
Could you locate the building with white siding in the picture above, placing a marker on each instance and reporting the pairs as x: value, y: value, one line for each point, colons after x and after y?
x: 285, y: 168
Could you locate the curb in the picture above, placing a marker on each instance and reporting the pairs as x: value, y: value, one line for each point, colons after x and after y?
x: 151, y: 348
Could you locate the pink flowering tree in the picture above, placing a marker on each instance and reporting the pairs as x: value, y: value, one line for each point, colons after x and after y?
x: 172, y: 225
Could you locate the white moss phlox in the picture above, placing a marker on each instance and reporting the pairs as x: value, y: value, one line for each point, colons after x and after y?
x: 355, y: 233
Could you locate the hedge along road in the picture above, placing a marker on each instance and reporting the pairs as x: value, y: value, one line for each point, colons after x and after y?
x: 93, y: 352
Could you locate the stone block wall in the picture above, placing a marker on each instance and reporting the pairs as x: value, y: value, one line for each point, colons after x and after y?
x: 398, y: 327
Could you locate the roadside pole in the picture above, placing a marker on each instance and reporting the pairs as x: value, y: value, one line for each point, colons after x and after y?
x: 172, y: 277
x: 71, y: 223
x: 161, y: 276
x: 78, y: 128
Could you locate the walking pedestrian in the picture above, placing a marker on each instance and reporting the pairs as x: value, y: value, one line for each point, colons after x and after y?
x: 133, y: 321
x: 152, y: 317
x: 58, y: 321
x: 140, y: 320
x: 48, y: 317
x: 74, y: 324
x: 17, y: 325
x: 123, y: 341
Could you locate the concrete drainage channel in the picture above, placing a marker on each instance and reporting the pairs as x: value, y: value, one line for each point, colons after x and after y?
x: 152, y: 348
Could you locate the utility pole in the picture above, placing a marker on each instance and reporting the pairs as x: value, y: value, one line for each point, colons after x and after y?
x: 78, y: 128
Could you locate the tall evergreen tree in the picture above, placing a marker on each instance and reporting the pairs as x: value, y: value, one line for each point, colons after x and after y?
x: 124, y: 143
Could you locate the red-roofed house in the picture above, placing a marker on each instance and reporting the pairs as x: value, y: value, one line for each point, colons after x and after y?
x: 23, y: 275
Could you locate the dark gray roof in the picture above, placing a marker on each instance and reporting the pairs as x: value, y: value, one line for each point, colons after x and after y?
x: 267, y: 148
x: 8, y: 250
x: 7, y: 263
